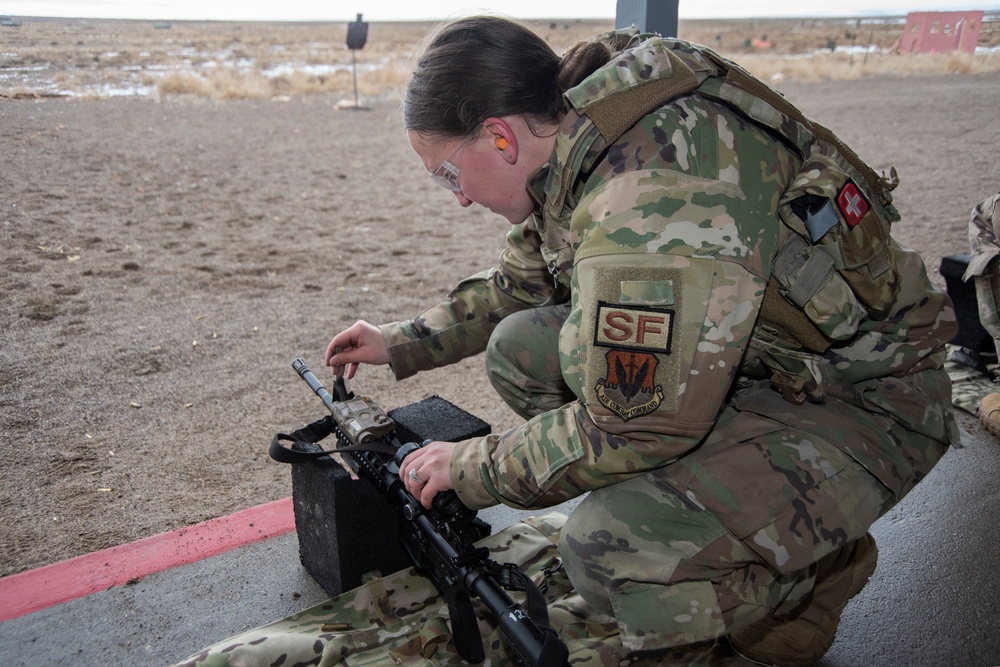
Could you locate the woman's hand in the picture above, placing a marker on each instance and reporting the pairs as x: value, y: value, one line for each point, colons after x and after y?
x: 360, y: 343
x: 431, y: 463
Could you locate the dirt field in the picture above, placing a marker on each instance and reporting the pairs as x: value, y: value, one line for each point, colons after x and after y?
x: 90, y: 58
x: 161, y: 264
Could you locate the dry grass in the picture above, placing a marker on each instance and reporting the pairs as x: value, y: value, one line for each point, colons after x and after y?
x: 230, y: 60
x: 838, y: 66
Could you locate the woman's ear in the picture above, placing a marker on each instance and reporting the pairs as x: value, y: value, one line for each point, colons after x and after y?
x: 503, y: 138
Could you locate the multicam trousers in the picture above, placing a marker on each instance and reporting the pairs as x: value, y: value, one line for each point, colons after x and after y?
x: 730, y: 533
x: 984, y: 230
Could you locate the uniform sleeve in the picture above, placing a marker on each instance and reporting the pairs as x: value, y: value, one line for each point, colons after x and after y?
x: 664, y: 302
x: 460, y: 326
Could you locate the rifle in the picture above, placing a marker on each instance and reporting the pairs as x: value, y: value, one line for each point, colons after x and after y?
x: 441, y: 540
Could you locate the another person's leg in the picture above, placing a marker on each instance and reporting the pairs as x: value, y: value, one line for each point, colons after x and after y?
x: 984, y: 268
x: 984, y: 264
x: 988, y: 298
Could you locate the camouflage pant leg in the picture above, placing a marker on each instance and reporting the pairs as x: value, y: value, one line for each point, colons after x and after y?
x: 984, y: 229
x: 988, y: 298
x: 522, y: 358
x: 723, y: 537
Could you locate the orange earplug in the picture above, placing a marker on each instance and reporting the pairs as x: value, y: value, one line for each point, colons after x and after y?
x: 500, y: 142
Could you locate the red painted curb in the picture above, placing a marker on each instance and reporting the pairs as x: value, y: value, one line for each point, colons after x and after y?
x: 74, y: 578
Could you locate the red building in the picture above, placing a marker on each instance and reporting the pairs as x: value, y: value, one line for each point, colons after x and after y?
x: 941, y: 32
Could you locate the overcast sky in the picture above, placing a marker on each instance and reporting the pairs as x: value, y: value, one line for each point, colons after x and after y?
x: 405, y: 10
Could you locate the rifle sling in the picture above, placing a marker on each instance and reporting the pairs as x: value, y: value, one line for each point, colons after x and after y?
x: 312, y: 434
x: 511, y: 578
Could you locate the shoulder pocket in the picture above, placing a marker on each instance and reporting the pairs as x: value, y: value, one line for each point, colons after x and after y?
x: 837, y: 266
x: 834, y: 210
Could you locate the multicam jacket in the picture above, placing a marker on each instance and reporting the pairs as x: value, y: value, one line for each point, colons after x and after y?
x: 685, y: 241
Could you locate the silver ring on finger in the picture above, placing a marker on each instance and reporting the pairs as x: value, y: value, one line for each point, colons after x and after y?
x: 414, y: 476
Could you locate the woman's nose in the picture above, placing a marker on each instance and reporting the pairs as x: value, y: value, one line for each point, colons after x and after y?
x: 463, y: 201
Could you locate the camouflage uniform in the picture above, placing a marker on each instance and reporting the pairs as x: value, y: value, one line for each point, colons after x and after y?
x: 642, y: 322
x: 984, y: 229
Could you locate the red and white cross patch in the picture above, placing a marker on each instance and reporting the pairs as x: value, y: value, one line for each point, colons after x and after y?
x: 852, y: 204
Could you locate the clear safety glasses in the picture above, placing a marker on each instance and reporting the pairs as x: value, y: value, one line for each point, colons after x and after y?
x: 446, y: 175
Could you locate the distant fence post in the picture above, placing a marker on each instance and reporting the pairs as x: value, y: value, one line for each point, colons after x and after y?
x: 659, y: 16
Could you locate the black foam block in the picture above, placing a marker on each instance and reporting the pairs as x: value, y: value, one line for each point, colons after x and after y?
x: 971, y: 334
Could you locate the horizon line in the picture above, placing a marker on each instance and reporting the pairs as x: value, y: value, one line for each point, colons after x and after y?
x: 868, y: 14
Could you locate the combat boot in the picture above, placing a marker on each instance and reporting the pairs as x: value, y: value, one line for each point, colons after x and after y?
x: 989, y: 413
x: 804, y: 635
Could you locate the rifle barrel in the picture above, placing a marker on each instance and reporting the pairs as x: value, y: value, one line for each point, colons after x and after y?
x: 300, y: 367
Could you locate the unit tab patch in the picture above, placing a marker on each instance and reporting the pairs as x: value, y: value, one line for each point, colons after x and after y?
x: 634, y: 327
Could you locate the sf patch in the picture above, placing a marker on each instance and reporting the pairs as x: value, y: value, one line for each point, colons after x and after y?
x: 852, y: 203
x: 635, y: 334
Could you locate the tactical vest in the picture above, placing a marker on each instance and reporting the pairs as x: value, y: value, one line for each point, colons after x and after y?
x: 833, y: 269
